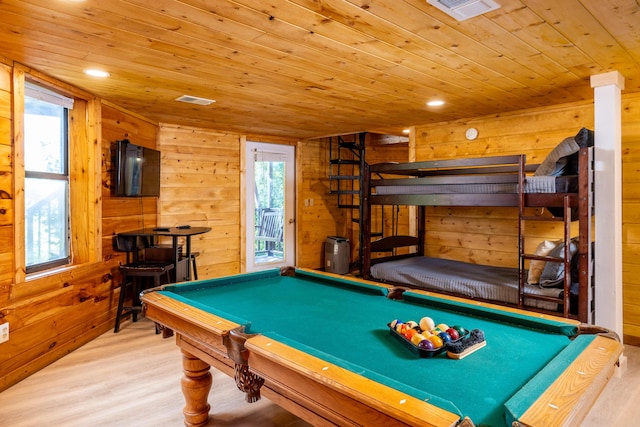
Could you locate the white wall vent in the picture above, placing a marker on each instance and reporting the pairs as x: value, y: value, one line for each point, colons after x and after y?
x: 464, y: 9
x: 195, y: 100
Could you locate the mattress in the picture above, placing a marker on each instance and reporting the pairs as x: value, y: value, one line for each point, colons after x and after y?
x: 469, y: 280
x: 533, y: 184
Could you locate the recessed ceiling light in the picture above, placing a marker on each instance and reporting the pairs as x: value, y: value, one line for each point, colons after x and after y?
x: 96, y: 73
x: 406, y: 130
x: 435, y: 103
x: 195, y: 100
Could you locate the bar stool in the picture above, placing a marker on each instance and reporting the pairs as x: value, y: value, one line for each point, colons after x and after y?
x: 194, y: 269
x: 135, y: 277
x: 162, y: 252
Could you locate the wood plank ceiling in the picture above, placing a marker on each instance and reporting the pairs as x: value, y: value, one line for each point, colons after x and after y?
x: 309, y: 68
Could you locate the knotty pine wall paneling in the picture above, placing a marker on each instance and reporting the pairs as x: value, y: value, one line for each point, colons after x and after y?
x: 52, y: 313
x: 631, y: 218
x: 6, y: 186
x: 200, y: 179
x: 318, y: 215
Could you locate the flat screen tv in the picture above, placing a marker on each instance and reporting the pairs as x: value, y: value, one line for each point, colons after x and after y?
x: 137, y: 170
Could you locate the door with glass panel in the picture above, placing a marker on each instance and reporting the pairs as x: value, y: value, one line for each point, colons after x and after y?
x: 270, y: 192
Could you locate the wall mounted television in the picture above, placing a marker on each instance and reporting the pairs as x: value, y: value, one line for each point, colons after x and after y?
x: 137, y: 170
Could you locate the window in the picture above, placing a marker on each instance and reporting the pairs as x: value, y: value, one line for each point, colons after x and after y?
x: 46, y: 139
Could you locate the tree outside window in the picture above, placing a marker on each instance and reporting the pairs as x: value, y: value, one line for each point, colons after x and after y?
x: 46, y: 179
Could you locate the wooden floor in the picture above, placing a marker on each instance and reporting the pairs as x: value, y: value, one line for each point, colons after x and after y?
x: 132, y: 379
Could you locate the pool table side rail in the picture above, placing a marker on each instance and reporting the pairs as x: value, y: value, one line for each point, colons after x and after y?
x: 556, y: 325
x: 568, y: 400
x: 190, y: 321
x: 185, y: 287
x: 347, y: 398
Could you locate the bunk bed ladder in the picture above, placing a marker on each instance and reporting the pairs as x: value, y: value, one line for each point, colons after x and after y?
x: 583, y: 308
x: 565, y: 259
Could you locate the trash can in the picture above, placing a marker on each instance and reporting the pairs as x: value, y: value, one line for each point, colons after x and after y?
x: 336, y: 255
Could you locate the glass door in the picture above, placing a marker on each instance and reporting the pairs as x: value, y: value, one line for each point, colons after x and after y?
x: 270, y: 205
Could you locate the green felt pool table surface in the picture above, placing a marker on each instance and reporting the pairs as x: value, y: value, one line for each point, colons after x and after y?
x: 344, y: 322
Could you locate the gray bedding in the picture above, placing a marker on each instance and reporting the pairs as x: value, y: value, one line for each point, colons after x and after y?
x: 469, y: 280
x: 533, y: 184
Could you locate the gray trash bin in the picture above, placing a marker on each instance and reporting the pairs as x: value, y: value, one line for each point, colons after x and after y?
x: 336, y: 255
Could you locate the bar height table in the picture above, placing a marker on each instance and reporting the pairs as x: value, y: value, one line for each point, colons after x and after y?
x: 175, y: 233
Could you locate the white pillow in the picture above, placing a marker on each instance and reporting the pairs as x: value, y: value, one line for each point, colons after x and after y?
x: 537, y: 266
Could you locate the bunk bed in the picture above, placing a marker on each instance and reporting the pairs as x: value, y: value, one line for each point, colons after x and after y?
x: 556, y: 278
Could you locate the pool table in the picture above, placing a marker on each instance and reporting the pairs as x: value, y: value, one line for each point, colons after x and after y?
x: 320, y: 346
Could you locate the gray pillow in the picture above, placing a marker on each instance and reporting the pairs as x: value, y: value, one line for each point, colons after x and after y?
x: 553, y: 273
x: 556, y: 162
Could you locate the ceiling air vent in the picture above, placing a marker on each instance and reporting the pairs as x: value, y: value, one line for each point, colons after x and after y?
x: 195, y: 100
x: 464, y: 9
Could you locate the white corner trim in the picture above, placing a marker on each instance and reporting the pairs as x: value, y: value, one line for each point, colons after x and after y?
x: 608, y: 199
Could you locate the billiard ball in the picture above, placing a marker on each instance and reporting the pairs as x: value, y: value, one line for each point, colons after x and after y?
x: 453, y: 333
x: 409, y: 333
x: 445, y: 337
x: 394, y: 323
x: 443, y: 327
x: 436, y: 341
x: 461, y: 331
x: 425, y: 345
x: 427, y: 324
x: 417, y: 339
x: 412, y: 324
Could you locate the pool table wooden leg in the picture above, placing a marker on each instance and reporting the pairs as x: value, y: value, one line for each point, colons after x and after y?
x: 196, y: 384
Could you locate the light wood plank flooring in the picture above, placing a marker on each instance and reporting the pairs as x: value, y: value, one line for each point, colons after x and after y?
x: 132, y: 379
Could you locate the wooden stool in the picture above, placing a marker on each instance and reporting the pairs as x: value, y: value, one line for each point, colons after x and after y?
x: 134, y: 276
x: 194, y: 269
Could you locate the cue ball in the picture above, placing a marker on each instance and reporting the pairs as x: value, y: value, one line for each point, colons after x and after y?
x: 427, y: 323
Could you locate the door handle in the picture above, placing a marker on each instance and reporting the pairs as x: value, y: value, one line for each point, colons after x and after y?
x: 291, y: 221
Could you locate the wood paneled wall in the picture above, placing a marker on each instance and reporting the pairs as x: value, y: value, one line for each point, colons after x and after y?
x: 52, y: 313
x: 318, y: 215
x: 6, y: 185
x: 631, y: 217
x: 201, y: 185
x: 200, y: 180
x: 489, y: 235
